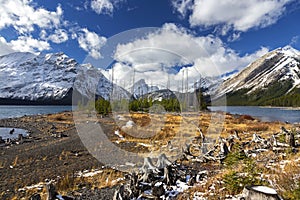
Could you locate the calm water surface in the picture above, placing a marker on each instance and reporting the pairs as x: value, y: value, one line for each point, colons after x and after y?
x: 291, y: 115
x: 19, y: 111
x: 5, y: 133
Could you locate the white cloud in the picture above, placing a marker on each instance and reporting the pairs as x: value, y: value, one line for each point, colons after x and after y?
x: 29, y: 44
x: 234, y: 14
x: 59, y: 36
x: 102, y: 6
x: 22, y: 15
x: 294, y: 40
x: 5, y: 47
x: 182, y: 6
x: 156, y: 54
x: 91, y: 42
x: 27, y: 18
x: 23, y: 44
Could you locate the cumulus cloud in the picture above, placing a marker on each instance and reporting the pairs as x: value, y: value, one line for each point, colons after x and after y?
x: 22, y: 15
x: 27, y: 19
x: 233, y: 14
x: 294, y: 40
x: 29, y: 44
x: 91, y: 42
x: 104, y: 6
x: 182, y: 6
x: 5, y: 48
x: 156, y: 56
x: 23, y: 44
x: 59, y: 36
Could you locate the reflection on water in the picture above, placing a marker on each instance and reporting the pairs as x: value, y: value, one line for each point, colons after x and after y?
x: 263, y: 113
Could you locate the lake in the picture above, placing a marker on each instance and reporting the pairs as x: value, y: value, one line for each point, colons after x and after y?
x: 291, y: 115
x: 5, y: 133
x: 19, y: 111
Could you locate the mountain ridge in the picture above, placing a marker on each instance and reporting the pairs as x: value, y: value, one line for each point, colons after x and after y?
x: 26, y: 78
x: 275, y: 74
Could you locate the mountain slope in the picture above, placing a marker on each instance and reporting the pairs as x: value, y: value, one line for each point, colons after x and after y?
x: 141, y: 88
x: 49, y: 78
x: 272, y: 76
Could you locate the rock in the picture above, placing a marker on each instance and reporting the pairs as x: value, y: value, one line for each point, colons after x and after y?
x: 1, y: 140
x: 12, y: 131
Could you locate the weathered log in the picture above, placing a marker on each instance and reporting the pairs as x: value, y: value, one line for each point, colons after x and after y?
x: 260, y: 193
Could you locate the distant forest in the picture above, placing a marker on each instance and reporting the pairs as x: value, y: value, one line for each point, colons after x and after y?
x: 105, y: 107
x: 275, y: 95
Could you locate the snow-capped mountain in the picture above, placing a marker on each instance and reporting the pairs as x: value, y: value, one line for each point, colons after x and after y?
x: 141, y: 88
x: 207, y: 84
x: 278, y: 70
x: 50, y: 77
x: 159, y: 95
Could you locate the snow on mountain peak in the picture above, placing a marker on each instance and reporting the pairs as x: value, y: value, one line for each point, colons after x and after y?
x: 15, y: 58
x: 141, y: 88
x: 279, y: 65
x: 46, y: 77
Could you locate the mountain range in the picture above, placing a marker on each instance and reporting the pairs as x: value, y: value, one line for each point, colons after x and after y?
x: 27, y: 78
x: 274, y: 76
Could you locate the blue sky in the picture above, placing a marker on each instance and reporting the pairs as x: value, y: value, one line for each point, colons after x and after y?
x: 233, y: 32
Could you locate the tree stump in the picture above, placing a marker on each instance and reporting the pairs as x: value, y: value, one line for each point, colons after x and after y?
x: 260, y: 193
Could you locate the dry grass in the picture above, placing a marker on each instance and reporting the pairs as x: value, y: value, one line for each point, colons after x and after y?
x: 106, y: 178
x: 15, y: 162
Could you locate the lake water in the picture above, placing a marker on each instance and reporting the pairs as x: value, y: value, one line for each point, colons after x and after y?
x: 5, y: 133
x: 19, y: 111
x: 291, y: 115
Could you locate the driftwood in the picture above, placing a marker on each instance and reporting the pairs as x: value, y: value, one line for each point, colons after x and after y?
x: 156, y: 182
x: 119, y: 194
x: 51, y: 192
x: 35, y: 197
x: 163, y: 161
x: 290, y: 139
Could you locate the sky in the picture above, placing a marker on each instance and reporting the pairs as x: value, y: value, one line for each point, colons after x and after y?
x: 159, y: 39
